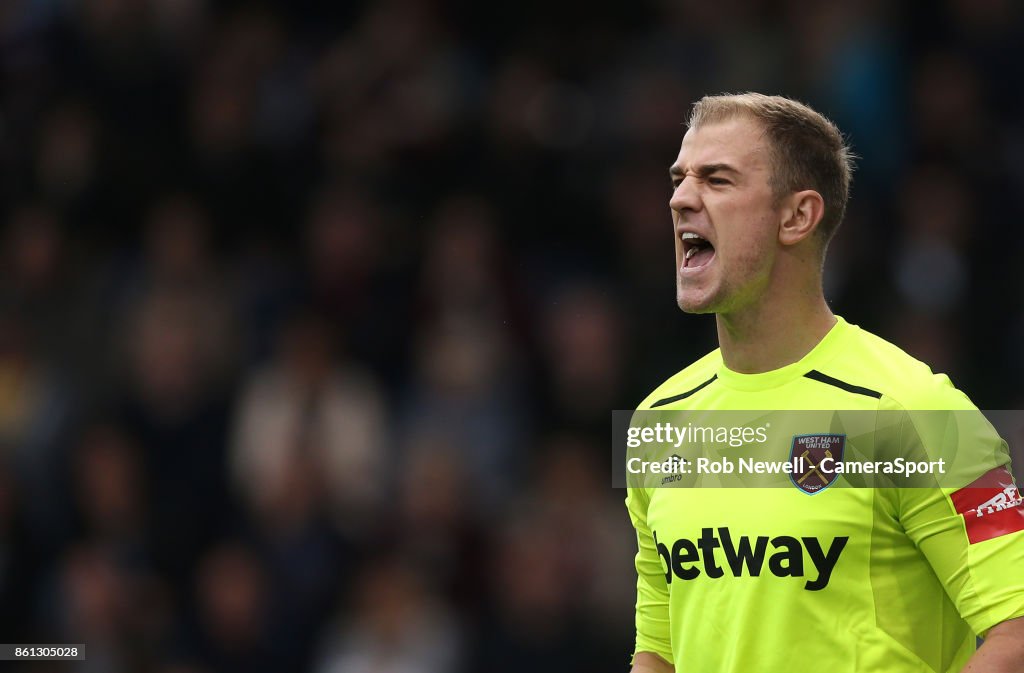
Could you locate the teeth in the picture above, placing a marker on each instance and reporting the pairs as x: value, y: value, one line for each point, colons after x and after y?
x: 697, y: 243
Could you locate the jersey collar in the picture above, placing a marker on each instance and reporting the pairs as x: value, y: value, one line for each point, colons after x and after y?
x: 821, y: 353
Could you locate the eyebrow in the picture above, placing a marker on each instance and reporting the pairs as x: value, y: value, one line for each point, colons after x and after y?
x: 702, y: 171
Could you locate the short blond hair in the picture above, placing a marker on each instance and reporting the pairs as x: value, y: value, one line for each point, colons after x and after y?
x: 808, y: 151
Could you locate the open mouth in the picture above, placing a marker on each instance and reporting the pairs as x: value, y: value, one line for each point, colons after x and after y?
x: 697, y: 251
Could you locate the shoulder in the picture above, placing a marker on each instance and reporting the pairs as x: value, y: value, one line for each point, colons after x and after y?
x: 869, y: 361
x: 689, y: 380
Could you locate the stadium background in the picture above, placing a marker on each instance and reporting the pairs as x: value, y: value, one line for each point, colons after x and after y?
x: 312, y: 314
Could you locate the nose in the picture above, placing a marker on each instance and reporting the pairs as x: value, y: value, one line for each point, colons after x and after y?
x: 686, y: 196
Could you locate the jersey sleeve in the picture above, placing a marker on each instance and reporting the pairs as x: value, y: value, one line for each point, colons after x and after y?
x: 972, y: 531
x: 652, y: 612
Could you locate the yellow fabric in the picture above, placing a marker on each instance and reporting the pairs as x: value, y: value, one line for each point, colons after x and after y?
x: 847, y: 579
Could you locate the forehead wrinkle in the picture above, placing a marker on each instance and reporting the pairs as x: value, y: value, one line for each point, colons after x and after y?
x: 727, y: 133
x: 749, y: 158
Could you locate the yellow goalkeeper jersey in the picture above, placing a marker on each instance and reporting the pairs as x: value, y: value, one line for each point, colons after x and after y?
x: 844, y: 580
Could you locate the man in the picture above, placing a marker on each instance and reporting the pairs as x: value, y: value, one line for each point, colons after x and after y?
x: 875, y: 579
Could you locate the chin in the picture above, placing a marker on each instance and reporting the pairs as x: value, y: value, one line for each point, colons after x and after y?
x: 694, y: 305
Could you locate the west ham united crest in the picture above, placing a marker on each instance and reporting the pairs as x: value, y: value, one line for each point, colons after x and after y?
x: 814, y: 458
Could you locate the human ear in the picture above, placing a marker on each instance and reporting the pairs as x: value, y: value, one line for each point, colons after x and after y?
x: 801, y: 216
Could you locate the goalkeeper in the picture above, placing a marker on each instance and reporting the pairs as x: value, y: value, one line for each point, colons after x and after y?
x: 775, y: 580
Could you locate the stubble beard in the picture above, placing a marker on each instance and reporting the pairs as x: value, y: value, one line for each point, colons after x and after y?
x: 699, y: 306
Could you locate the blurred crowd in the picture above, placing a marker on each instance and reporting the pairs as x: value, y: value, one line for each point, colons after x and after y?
x: 312, y: 315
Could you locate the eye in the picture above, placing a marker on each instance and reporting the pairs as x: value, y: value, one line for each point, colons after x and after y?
x: 718, y: 182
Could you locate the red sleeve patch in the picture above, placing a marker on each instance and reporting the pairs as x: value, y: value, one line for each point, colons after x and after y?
x: 991, y: 506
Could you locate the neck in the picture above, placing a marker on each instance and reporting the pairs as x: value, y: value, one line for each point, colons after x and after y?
x: 770, y: 335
